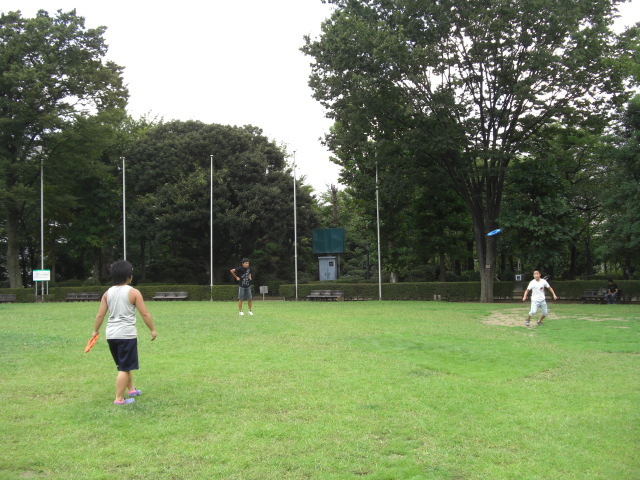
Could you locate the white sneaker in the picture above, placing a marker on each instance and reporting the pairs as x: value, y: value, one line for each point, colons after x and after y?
x: 250, y: 312
x: 241, y: 314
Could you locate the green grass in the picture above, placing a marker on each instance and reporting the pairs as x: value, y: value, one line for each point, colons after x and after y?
x: 329, y: 390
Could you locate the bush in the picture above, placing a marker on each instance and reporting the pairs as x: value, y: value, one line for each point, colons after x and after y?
x: 273, y: 286
x: 73, y: 282
x: 471, y: 276
x: 421, y: 273
x: 570, y: 290
x: 304, y: 277
x: 196, y: 292
x: 455, y: 291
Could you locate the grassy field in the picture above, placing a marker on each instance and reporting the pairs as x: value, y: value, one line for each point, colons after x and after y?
x: 329, y: 390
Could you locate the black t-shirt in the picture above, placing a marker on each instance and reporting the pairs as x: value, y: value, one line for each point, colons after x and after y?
x: 612, y: 287
x: 244, y: 273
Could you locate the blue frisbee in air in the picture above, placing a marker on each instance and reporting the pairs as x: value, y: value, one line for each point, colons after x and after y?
x: 494, y: 232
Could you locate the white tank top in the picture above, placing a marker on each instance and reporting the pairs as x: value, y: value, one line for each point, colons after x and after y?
x: 122, y: 314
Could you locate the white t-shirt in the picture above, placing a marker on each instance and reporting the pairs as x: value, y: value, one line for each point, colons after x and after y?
x: 537, y: 289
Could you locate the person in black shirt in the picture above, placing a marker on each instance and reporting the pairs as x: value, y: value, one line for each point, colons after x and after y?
x: 243, y: 275
x: 612, y: 292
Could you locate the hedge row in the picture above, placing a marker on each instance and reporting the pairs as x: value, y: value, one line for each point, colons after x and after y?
x: 449, y: 291
x: 196, y: 292
x: 455, y: 291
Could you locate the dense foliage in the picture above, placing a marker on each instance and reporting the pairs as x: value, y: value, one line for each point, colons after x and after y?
x: 466, y: 88
x: 59, y: 100
x: 450, y: 119
x: 252, y: 190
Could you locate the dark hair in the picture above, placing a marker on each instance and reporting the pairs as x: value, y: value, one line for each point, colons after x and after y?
x: 121, y: 271
x: 244, y: 260
x: 611, y: 280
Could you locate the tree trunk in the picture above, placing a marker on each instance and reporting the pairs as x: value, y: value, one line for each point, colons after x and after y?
x: 628, y: 269
x: 335, y: 209
x: 589, y: 258
x: 443, y: 268
x: 470, y: 257
x: 13, y: 249
x: 367, y: 274
x: 485, y: 247
x: 143, y: 266
x: 486, y: 285
x: 573, y: 267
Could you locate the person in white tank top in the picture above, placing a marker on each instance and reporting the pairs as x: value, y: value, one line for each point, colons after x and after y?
x: 121, y: 301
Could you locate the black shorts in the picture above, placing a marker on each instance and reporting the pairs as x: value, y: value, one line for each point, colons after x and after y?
x: 125, y: 353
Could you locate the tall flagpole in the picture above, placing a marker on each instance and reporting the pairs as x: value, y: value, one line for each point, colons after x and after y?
x: 378, y: 227
x: 41, y: 229
x: 124, y: 216
x: 211, y: 229
x: 295, y: 223
x: 41, y: 215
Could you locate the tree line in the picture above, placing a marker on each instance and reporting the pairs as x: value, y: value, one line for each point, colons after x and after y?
x: 466, y: 97
x: 450, y: 119
x: 65, y: 132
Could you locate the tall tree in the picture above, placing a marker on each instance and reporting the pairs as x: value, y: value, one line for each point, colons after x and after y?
x: 537, y: 216
x: 340, y: 209
x: 92, y: 208
x: 621, y: 194
x: 169, y: 200
x: 465, y: 85
x: 52, y: 74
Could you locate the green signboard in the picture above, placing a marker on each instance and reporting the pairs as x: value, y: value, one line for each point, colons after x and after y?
x: 328, y: 240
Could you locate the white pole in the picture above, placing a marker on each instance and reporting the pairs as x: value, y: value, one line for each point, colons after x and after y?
x: 124, y: 215
x: 295, y: 223
x: 378, y: 227
x: 211, y: 229
x: 41, y: 216
x: 41, y: 225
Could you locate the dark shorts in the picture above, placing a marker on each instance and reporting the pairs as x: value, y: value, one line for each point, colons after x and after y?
x: 244, y: 293
x: 124, y: 353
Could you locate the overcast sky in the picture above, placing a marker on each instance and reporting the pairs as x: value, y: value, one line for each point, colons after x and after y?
x: 232, y: 63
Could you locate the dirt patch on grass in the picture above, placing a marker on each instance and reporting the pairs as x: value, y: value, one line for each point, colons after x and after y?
x: 601, y: 318
x: 508, y: 318
x: 515, y: 318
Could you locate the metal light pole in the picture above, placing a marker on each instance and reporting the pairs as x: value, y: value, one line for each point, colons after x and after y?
x: 378, y: 227
x: 211, y: 230
x: 41, y: 215
x: 41, y: 228
x: 295, y: 224
x: 124, y: 213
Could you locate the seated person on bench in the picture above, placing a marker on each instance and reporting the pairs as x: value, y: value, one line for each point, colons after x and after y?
x: 612, y: 292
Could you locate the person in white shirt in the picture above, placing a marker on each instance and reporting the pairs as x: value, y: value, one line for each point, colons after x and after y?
x: 538, y: 301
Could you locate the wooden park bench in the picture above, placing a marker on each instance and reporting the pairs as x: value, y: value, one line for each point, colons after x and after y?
x: 84, y: 297
x: 7, y: 297
x: 595, y: 295
x: 171, y: 296
x: 326, y: 295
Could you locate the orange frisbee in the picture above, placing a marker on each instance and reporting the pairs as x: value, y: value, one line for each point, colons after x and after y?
x: 92, y: 341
